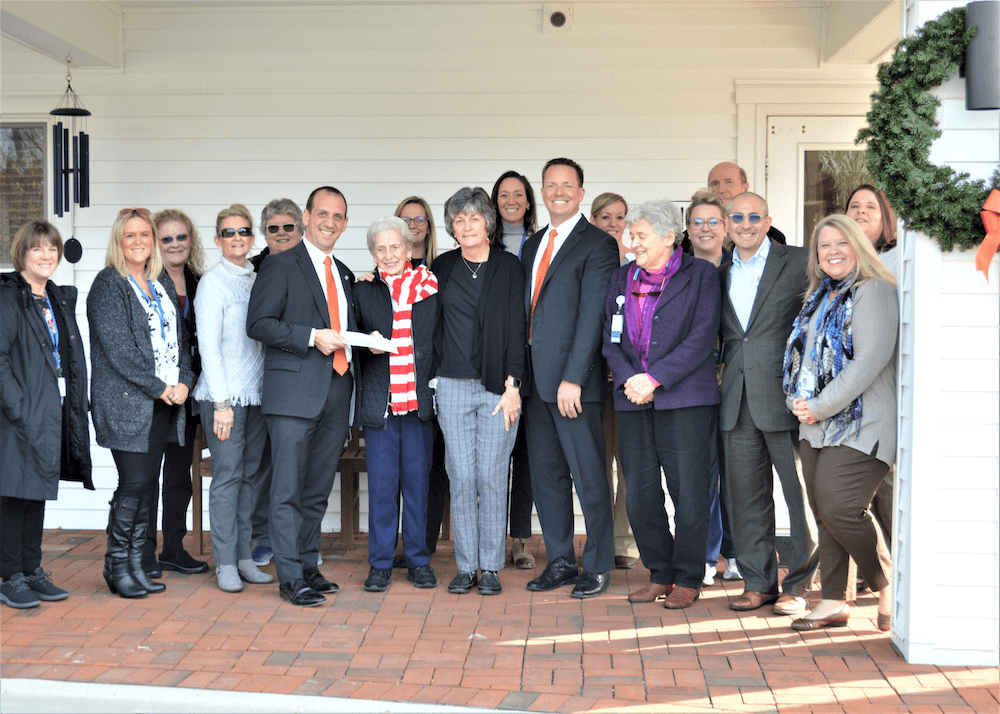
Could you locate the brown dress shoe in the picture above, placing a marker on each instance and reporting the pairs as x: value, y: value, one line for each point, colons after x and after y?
x: 789, y: 604
x: 681, y: 597
x: 519, y: 556
x: 837, y: 619
x: 651, y: 592
x: 625, y: 562
x: 751, y: 600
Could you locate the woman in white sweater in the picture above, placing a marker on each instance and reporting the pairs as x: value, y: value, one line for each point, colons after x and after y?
x: 229, y: 392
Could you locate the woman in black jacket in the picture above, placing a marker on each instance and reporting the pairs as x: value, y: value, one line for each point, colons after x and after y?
x: 141, y: 377
x: 44, y: 434
x: 480, y: 348
x: 396, y: 407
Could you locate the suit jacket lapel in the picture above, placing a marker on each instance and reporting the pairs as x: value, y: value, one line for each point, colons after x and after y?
x: 677, y: 283
x: 528, y: 253
x: 312, y: 281
x: 345, y: 280
x: 565, y: 249
x: 772, y: 269
x: 729, y: 312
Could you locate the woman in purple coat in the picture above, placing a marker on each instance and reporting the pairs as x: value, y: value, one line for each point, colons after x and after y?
x: 662, y: 321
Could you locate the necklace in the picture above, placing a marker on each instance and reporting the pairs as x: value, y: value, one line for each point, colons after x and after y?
x: 475, y: 273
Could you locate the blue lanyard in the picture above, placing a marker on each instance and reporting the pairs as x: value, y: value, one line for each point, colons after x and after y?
x: 155, y: 302
x: 53, y: 329
x: 524, y: 237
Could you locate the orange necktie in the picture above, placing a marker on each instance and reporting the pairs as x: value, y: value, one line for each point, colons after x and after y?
x: 543, y: 268
x: 333, y: 306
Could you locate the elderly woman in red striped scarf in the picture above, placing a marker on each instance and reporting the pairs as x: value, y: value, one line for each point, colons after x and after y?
x: 397, y: 405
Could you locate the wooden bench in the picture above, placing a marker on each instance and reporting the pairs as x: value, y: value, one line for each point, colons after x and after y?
x: 352, y: 464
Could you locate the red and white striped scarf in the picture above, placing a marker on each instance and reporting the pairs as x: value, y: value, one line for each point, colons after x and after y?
x: 412, y: 286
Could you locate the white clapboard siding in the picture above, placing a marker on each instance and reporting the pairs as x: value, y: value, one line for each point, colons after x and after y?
x: 215, y: 105
x: 948, y: 503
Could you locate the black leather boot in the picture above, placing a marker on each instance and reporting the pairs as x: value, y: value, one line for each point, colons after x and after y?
x: 137, y: 545
x: 116, y: 561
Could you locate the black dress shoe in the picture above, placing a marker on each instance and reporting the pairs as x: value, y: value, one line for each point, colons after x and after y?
x: 463, y: 583
x: 379, y: 580
x: 298, y: 593
x: 489, y: 584
x: 591, y: 584
x: 556, y: 574
x: 182, y: 562
x: 422, y: 576
x: 317, y: 582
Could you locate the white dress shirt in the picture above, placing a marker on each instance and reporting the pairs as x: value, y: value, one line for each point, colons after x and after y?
x: 318, y: 259
x: 744, y: 277
x: 562, y: 233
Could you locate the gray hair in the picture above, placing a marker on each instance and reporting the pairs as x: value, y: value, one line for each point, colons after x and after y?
x: 384, y: 225
x: 470, y: 200
x: 281, y: 205
x: 663, y: 217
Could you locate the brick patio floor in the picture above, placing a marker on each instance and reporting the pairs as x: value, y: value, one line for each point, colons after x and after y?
x: 519, y: 650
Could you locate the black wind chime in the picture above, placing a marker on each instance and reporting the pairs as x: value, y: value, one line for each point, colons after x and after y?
x: 70, y: 158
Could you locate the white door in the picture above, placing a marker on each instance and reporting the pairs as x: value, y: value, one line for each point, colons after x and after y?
x: 812, y: 166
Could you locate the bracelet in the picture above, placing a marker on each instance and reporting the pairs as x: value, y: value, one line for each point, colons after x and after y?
x: 222, y: 406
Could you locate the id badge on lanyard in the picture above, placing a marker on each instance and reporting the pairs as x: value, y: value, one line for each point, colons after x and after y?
x: 618, y: 321
x: 62, y: 389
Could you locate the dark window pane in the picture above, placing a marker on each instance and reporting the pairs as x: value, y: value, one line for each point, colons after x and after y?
x: 22, y: 181
x: 830, y: 176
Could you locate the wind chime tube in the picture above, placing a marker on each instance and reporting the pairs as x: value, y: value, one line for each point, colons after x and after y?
x: 66, y: 169
x: 57, y: 155
x: 76, y: 170
x: 84, y: 170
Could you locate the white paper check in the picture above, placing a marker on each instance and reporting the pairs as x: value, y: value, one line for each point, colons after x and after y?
x: 360, y: 339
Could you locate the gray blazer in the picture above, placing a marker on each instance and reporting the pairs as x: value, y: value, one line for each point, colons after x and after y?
x: 123, y: 384
x: 753, y: 359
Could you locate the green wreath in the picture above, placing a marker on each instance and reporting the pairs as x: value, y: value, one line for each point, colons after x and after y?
x: 934, y: 200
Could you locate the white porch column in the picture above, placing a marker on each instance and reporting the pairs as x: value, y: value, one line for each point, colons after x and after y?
x: 946, y: 560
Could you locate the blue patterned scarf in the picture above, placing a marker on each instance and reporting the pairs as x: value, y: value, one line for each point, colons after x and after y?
x: 834, y: 345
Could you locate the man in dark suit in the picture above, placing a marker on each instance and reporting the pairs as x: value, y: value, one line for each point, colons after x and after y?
x: 568, y: 265
x: 762, y: 286
x: 300, y: 303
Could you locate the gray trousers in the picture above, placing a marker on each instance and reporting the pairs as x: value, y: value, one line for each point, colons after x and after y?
x: 477, y: 454
x: 749, y: 483
x: 235, y: 471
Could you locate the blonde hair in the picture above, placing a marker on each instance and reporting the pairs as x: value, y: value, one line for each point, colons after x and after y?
x: 116, y: 256
x: 705, y: 197
x: 196, y: 258
x: 430, y: 242
x: 605, y: 200
x: 869, y: 266
x: 237, y: 209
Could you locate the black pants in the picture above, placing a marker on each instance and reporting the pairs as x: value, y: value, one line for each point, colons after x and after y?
x: 176, y: 493
x: 678, y: 441
x: 438, y: 487
x: 21, y: 545
x: 520, y: 503
x: 137, y: 470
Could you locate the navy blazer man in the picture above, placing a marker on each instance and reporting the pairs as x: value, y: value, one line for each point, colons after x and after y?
x: 306, y: 400
x: 564, y: 409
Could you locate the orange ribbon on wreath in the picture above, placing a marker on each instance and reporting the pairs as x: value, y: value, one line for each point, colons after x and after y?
x: 991, y: 221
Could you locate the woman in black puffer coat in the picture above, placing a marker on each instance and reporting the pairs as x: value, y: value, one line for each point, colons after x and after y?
x: 44, y: 432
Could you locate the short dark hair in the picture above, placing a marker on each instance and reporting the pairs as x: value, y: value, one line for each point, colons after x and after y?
x: 564, y: 162
x: 530, y: 213
x: 31, y: 235
x: 331, y: 189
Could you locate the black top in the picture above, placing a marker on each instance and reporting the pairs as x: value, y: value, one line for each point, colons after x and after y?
x: 499, y: 332
x: 460, y: 305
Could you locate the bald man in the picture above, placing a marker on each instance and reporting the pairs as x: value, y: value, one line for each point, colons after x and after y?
x: 727, y: 180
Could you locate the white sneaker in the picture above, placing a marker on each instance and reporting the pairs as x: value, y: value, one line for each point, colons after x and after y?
x: 732, y: 572
x: 710, y: 572
x: 229, y: 578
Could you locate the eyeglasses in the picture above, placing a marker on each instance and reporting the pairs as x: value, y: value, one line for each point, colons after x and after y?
x: 182, y: 238
x: 419, y: 220
x: 754, y: 218
x: 144, y: 212
x: 712, y: 222
x: 230, y: 232
x: 286, y: 227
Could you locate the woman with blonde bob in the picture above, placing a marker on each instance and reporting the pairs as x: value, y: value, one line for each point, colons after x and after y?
x: 141, y: 370
x: 229, y: 394
x: 840, y: 381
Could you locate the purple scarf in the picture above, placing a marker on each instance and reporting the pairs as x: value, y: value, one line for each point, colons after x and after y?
x: 644, y: 291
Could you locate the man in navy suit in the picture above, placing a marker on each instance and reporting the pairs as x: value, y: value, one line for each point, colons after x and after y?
x: 301, y: 302
x: 567, y: 267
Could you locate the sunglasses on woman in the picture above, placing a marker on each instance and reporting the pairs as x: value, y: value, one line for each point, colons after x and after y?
x: 144, y: 212
x: 230, y: 232
x: 286, y: 227
x: 180, y: 238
